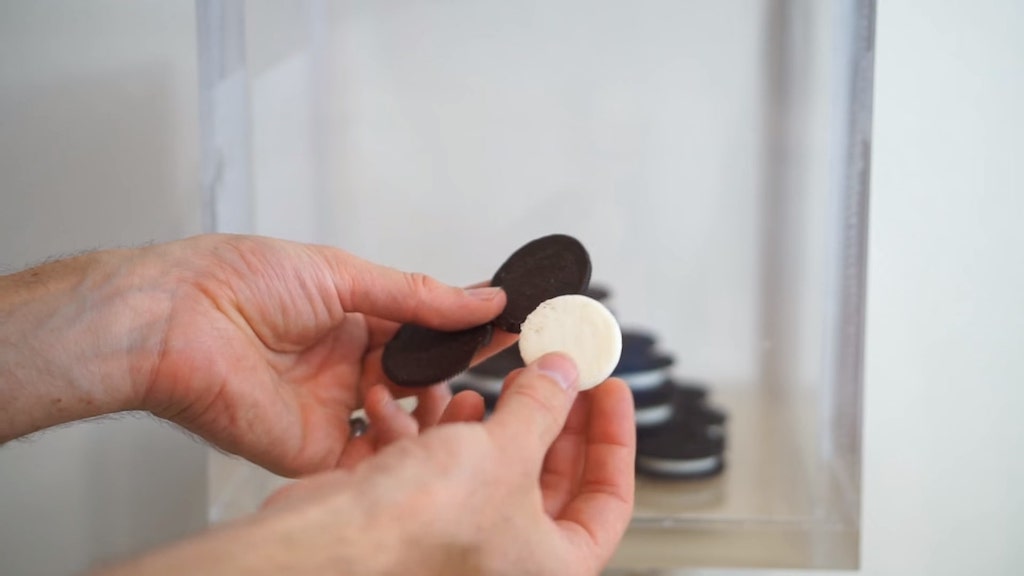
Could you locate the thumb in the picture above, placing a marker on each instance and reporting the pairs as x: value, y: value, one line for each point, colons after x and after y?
x: 384, y: 292
x: 533, y: 407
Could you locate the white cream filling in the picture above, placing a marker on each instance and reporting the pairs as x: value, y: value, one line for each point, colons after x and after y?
x: 646, y: 380
x: 578, y: 326
x: 653, y: 415
x: 678, y: 467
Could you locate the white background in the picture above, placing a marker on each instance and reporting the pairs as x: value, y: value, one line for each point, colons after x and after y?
x: 98, y: 147
x: 944, y: 439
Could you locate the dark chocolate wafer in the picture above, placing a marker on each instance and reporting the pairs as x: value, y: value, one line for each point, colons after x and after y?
x: 542, y: 269
x: 419, y: 356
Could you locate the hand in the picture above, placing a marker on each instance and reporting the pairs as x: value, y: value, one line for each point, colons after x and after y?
x: 264, y: 347
x: 545, y: 486
x: 270, y: 345
x: 538, y: 489
x: 389, y: 422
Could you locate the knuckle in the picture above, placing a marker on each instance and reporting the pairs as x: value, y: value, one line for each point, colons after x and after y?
x: 420, y: 283
x: 421, y: 287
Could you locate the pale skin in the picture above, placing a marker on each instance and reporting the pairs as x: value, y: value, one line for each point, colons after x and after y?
x: 265, y: 348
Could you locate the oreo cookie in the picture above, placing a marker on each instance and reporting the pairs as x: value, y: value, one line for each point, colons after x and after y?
x: 641, y: 362
x: 679, y: 450
x: 699, y: 412
x: 417, y: 356
x: 645, y: 370
x: 657, y: 396
x: 542, y: 269
x: 653, y: 406
x: 689, y: 391
x: 690, y: 404
x: 636, y: 342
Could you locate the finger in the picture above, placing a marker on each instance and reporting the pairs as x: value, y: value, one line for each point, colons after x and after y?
x: 466, y: 406
x: 563, y: 465
x: 381, y: 330
x: 391, y: 294
x: 600, y: 511
x: 511, y: 376
x: 533, y: 407
x: 388, y: 421
x: 430, y: 404
x: 357, y: 450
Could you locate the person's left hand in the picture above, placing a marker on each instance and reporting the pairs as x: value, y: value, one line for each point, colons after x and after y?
x: 269, y: 346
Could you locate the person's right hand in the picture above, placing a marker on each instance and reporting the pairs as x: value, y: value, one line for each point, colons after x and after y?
x: 545, y: 486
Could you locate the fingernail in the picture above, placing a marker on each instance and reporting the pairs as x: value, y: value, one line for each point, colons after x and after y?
x: 483, y: 293
x: 560, y: 367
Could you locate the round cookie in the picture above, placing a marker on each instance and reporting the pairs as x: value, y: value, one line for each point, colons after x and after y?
x: 687, y: 391
x: 646, y: 361
x: 702, y: 418
x: 417, y: 356
x: 578, y: 326
x: 699, y: 412
x: 542, y: 269
x: 644, y: 370
x: 647, y: 397
x: 679, y: 450
x: 636, y: 342
x: 653, y: 407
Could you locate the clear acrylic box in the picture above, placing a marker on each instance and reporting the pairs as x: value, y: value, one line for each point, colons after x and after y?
x: 713, y: 157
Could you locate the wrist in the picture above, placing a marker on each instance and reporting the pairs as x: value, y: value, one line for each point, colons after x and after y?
x: 320, y: 537
x: 73, y: 339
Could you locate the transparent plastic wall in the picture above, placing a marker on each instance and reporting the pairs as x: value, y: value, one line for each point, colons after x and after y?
x: 711, y: 155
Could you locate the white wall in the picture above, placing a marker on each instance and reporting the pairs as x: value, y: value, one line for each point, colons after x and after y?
x: 944, y: 436
x: 98, y: 148
x: 460, y: 130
